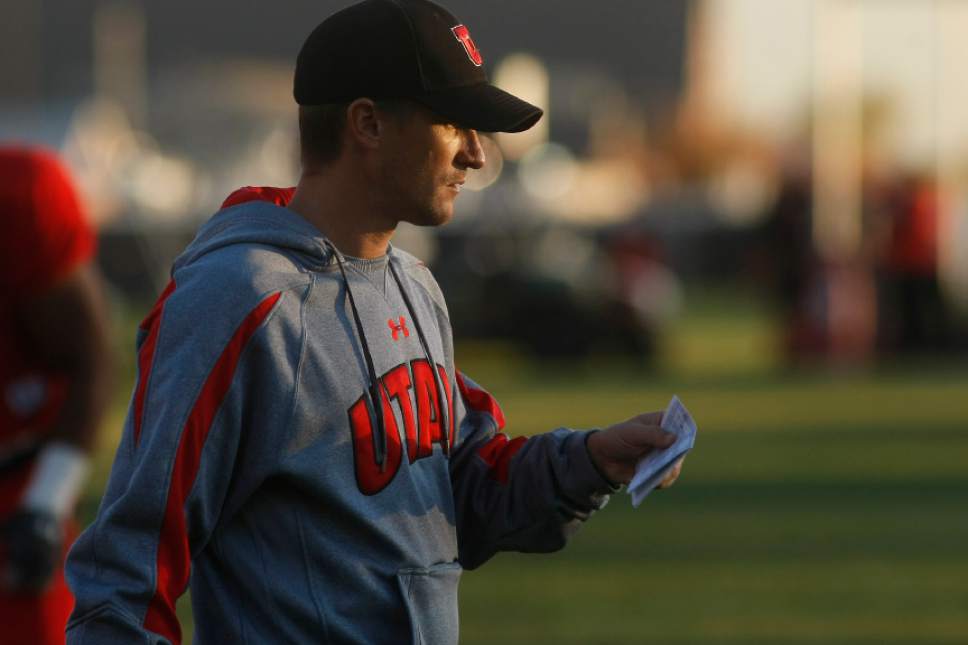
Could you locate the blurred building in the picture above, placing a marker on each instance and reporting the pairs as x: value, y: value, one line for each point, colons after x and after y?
x: 865, y: 86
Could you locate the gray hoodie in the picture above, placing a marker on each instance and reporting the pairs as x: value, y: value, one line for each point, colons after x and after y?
x: 256, y: 463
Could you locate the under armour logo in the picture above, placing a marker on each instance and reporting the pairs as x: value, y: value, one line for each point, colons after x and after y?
x: 396, y: 328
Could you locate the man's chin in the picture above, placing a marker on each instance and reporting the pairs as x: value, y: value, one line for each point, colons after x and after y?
x: 437, y: 217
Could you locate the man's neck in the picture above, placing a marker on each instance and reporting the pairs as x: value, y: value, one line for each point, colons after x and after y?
x: 340, y: 206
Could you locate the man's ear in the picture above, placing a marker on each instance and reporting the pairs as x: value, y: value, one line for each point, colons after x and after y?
x: 363, y: 124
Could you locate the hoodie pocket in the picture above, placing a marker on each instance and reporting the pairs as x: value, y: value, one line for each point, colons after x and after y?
x: 430, y: 595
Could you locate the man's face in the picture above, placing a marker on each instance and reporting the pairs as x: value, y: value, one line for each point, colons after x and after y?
x: 424, y: 165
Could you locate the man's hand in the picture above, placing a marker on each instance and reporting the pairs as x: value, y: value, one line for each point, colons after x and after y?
x: 616, y: 450
x: 31, y: 542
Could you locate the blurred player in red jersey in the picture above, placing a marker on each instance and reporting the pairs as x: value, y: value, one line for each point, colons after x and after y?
x: 54, y: 383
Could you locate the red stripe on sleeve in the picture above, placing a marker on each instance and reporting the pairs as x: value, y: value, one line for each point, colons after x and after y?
x: 174, y: 555
x: 146, y: 356
x: 480, y: 400
x: 497, y: 454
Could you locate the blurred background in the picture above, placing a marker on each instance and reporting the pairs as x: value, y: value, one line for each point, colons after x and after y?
x: 760, y: 206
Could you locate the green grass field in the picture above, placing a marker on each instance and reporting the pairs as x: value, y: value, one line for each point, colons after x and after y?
x: 812, y: 510
x: 818, y: 507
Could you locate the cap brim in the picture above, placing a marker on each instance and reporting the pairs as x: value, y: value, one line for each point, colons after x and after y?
x: 483, y: 107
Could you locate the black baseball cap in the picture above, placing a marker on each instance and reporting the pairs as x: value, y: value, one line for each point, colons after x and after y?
x: 384, y: 49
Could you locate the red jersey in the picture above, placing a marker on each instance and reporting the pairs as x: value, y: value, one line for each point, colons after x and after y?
x: 45, y: 237
x: 914, y: 243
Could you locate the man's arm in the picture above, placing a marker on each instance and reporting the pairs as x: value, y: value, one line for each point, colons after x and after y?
x: 66, y: 328
x: 532, y: 494
x: 190, y: 414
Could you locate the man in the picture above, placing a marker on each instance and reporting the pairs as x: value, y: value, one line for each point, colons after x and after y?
x: 54, y: 383
x: 300, y: 445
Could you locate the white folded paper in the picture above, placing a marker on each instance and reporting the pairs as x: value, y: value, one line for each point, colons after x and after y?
x: 652, y: 469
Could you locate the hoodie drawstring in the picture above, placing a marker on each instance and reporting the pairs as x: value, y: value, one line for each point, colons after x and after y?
x: 441, y: 393
x: 375, y: 393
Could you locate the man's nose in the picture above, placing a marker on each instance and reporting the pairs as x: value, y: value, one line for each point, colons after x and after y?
x: 471, y: 152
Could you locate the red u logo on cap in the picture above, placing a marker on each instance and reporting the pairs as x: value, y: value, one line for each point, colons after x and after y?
x: 463, y: 34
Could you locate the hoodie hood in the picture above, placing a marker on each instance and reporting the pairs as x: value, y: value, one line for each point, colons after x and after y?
x: 263, y: 223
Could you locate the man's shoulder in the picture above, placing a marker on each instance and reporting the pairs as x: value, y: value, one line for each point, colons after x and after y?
x: 250, y: 248
x: 241, y: 273
x: 226, y: 283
